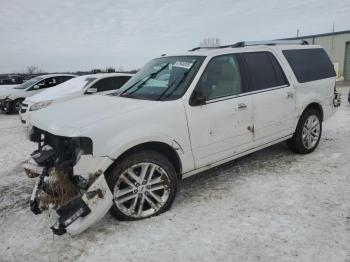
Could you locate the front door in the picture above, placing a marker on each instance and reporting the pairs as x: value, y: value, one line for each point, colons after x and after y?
x: 220, y: 128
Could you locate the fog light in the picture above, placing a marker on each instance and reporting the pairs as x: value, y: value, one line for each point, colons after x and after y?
x: 72, y: 211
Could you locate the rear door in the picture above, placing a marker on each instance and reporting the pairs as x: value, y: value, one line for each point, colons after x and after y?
x: 219, y: 128
x: 272, y: 96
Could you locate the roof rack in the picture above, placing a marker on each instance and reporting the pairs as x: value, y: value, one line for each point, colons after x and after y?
x: 253, y: 43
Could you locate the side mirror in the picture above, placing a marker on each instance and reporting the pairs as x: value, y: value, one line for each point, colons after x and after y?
x: 197, y: 99
x: 36, y: 87
x: 91, y: 90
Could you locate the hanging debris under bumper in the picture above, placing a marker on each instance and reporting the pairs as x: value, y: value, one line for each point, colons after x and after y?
x: 80, y: 212
x: 79, y: 201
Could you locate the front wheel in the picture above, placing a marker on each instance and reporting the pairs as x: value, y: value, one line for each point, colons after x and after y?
x: 16, y: 106
x: 143, y: 184
x: 307, y: 134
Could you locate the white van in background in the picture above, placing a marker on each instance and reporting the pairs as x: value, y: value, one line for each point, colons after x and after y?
x: 78, y: 86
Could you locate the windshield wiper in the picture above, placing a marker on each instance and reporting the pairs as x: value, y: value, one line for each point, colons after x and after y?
x: 142, y: 81
x: 184, y: 74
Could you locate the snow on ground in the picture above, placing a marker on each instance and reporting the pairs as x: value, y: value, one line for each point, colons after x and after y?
x: 272, y: 205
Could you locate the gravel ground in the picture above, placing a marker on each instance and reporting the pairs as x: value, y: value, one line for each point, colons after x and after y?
x: 272, y: 205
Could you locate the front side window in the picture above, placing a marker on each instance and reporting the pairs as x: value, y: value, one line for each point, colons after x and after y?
x: 220, y: 78
x: 165, y: 78
x: 29, y: 83
x: 46, y: 83
x: 264, y: 71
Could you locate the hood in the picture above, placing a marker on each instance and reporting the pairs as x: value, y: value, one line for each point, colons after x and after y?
x: 67, y: 118
x: 53, y: 93
x: 6, y: 91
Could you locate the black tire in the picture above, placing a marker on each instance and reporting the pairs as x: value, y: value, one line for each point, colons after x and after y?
x: 132, y: 159
x: 16, y: 106
x: 295, y: 143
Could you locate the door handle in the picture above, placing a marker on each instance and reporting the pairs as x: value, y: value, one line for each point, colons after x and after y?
x: 241, y: 106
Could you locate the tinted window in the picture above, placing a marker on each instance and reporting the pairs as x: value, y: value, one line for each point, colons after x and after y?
x: 62, y: 79
x: 111, y: 83
x: 279, y: 74
x: 221, y: 78
x: 309, y: 64
x: 264, y: 70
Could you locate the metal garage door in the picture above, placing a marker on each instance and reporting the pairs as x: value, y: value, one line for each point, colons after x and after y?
x: 347, y: 62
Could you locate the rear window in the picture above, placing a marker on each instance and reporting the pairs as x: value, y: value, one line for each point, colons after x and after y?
x: 309, y: 64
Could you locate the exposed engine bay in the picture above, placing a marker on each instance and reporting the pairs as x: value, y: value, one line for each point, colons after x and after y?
x: 78, y: 200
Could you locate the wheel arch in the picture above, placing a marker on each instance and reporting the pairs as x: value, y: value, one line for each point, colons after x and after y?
x: 161, y: 147
x: 316, y: 106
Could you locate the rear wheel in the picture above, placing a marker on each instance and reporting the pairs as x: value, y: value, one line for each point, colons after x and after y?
x: 307, y: 134
x: 143, y: 184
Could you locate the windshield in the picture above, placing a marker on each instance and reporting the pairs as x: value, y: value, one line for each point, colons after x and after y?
x: 164, y: 78
x: 29, y: 83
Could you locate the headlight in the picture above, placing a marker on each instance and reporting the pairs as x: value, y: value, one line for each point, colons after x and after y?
x: 40, y: 105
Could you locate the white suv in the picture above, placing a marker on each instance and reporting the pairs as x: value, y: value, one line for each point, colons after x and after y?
x: 179, y: 115
x: 78, y: 86
x: 12, y: 97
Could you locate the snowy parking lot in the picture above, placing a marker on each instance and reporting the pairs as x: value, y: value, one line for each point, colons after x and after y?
x: 272, y: 205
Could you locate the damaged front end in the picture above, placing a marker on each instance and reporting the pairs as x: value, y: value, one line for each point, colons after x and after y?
x: 79, y: 200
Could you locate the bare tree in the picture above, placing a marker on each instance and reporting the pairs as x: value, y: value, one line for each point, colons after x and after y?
x: 109, y: 69
x: 210, y: 42
x: 31, y: 70
x: 120, y: 69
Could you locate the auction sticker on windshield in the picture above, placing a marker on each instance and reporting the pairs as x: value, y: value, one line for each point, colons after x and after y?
x: 183, y: 64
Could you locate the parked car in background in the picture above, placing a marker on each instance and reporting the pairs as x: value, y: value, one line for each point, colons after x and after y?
x: 12, y: 97
x: 78, y: 86
x: 178, y: 116
x: 7, y: 86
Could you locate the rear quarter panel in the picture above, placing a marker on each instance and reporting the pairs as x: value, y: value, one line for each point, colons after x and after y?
x: 319, y: 91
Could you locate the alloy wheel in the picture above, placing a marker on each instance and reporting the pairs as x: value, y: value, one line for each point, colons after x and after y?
x: 311, y: 132
x: 141, y: 190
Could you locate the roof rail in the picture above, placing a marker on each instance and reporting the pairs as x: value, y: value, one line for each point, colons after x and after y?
x: 273, y: 42
x: 253, y: 43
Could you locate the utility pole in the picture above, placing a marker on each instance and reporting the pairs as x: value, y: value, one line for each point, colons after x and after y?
x: 333, y: 30
x: 297, y: 32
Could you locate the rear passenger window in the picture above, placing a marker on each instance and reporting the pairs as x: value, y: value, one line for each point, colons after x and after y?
x: 221, y: 78
x: 309, y: 64
x: 264, y: 71
x: 111, y: 83
x: 62, y: 79
x: 280, y: 76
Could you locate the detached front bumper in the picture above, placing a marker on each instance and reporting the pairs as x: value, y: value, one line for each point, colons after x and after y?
x: 82, y: 211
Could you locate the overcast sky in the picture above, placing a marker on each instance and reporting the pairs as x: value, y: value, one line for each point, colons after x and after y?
x: 59, y: 35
